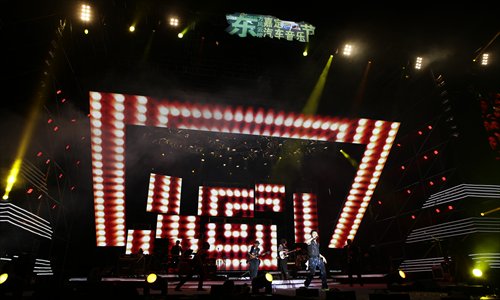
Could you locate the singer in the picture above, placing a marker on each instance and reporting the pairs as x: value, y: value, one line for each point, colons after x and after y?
x: 316, y: 260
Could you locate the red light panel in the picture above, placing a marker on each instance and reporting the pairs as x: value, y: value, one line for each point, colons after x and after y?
x: 137, y: 239
x: 164, y: 195
x: 305, y: 212
x: 225, y: 202
x: 269, y: 197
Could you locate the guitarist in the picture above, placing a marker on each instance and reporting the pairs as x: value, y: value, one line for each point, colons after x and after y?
x: 283, y: 258
x: 253, y: 259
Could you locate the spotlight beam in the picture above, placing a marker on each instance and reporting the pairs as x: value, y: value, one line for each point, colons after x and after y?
x: 313, y: 101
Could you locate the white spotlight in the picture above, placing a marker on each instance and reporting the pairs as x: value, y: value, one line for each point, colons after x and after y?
x: 484, y: 60
x: 418, y: 63
x: 174, y: 22
x: 85, y: 13
x: 347, y: 50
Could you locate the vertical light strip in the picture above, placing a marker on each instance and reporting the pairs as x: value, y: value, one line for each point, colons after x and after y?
x: 164, y: 194
x: 305, y: 210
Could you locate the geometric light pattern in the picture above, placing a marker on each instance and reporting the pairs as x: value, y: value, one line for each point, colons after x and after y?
x: 164, y: 194
x: 19, y: 217
x: 421, y: 264
x: 110, y: 113
x: 225, y: 202
x: 462, y: 191
x: 269, y: 197
x: 491, y: 259
x: 42, y: 267
x: 305, y: 212
x: 454, y: 228
x: 231, y: 243
x: 183, y: 228
x: 137, y: 239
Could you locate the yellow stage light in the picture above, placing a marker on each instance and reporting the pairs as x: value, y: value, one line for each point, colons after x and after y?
x: 151, y: 278
x: 3, y: 278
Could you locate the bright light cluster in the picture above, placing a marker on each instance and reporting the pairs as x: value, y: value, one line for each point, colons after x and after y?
x: 305, y: 212
x: 110, y: 113
x: 231, y: 243
x: 183, y: 228
x: 137, y: 239
x: 164, y: 195
x: 225, y: 202
x: 85, y: 12
x: 269, y: 197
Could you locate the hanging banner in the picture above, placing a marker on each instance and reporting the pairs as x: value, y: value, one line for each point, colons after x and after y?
x: 261, y: 26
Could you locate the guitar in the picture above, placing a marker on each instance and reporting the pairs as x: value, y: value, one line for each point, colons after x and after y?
x: 284, y: 254
x: 252, y: 256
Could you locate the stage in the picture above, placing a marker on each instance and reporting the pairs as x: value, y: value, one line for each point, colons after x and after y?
x: 241, y: 287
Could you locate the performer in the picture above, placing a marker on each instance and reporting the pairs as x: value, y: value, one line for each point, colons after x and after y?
x: 198, y: 267
x: 176, y: 253
x: 283, y: 258
x: 253, y: 259
x: 352, y: 253
x: 316, y: 260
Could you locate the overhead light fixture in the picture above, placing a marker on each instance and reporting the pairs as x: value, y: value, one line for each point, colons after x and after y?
x: 347, y: 50
x: 85, y: 12
x: 418, y: 63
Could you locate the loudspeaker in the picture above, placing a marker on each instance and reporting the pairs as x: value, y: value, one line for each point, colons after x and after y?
x: 389, y: 297
x: 304, y: 292
x: 340, y: 295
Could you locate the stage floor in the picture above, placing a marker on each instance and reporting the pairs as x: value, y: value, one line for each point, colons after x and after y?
x: 281, y: 289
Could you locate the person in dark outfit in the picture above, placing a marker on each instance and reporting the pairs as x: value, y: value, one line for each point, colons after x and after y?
x: 353, y: 262
x: 198, y: 267
x: 316, y: 260
x: 176, y: 253
x: 283, y: 258
x: 253, y: 259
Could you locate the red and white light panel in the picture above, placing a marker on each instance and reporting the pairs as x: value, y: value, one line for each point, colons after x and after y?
x: 164, y: 195
x: 183, y: 228
x: 305, y: 213
x: 225, y: 202
x: 230, y: 243
x: 269, y: 197
x: 137, y: 239
x: 110, y: 113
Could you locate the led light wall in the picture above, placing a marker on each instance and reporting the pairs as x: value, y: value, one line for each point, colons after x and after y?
x: 230, y: 244
x: 137, y: 239
x: 164, y: 195
x: 225, y: 202
x: 305, y: 215
x: 269, y: 197
x: 110, y: 113
x: 184, y: 228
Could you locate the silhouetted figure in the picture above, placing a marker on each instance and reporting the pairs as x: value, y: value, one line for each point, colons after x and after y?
x: 353, y: 261
x: 176, y: 253
x: 316, y: 260
x: 198, y: 267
